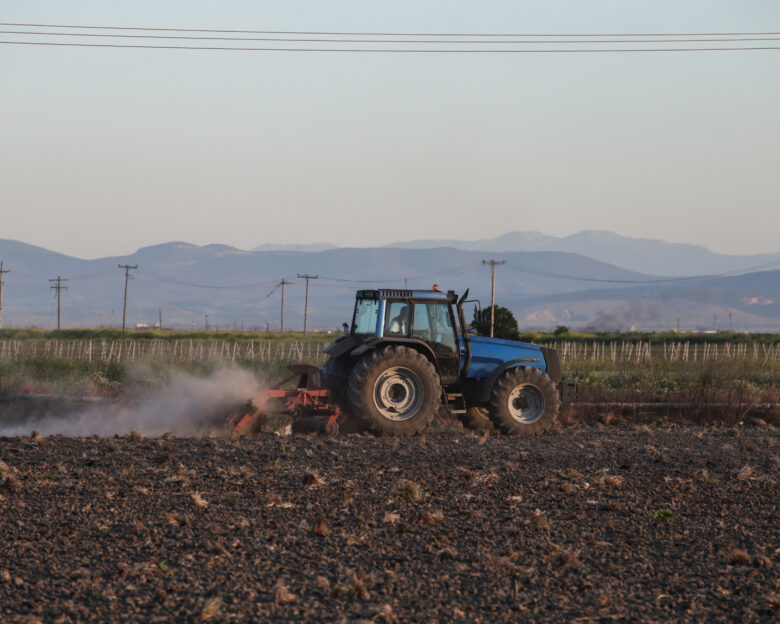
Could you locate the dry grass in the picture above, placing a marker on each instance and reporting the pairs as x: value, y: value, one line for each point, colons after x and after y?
x: 567, y: 558
x: 312, y: 479
x: 355, y: 588
x: 391, y: 517
x: 8, y: 480
x: 612, y: 481
x: 211, y: 608
x: 746, y: 472
x: 431, y: 517
x: 570, y: 474
x: 199, y: 501
x: 407, y: 490
x: 283, y: 594
x: 539, y: 520
x: 321, y: 528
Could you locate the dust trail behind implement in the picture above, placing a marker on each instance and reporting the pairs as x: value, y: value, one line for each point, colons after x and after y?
x: 187, y: 405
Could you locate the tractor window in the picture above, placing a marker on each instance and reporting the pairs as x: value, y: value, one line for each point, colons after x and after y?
x: 433, y: 324
x: 366, y: 311
x: 397, y: 319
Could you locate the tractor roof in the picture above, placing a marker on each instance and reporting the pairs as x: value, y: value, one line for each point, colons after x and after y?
x: 390, y: 293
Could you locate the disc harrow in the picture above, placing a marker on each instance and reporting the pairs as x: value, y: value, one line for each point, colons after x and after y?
x: 307, y: 405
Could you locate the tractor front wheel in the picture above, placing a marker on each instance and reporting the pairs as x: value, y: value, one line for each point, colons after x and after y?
x: 524, y: 401
x: 394, y: 390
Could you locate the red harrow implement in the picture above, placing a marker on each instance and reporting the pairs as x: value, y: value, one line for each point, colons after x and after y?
x: 308, y: 404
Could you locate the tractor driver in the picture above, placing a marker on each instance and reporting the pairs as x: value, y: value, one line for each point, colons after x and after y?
x: 400, y: 323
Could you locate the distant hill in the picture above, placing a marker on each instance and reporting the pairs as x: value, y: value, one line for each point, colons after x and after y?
x: 644, y: 255
x: 292, y: 247
x: 750, y: 301
x: 238, y: 288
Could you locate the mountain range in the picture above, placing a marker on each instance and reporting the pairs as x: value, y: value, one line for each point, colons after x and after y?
x: 544, y: 287
x: 645, y: 255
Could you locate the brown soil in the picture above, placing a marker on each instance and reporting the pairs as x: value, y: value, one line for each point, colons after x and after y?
x: 586, y: 524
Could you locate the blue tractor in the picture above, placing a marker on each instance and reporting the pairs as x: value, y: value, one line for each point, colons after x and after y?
x: 409, y: 352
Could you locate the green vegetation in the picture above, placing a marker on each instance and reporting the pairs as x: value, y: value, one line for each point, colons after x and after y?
x: 654, y: 338
x: 164, y: 334
x: 734, y: 380
x: 663, y: 515
x: 504, y: 323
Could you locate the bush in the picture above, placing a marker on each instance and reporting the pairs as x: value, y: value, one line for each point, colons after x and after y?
x: 504, y: 324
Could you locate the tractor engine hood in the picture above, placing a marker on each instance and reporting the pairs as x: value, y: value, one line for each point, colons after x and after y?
x: 490, y: 354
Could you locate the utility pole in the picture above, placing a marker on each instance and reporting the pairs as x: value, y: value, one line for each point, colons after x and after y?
x: 729, y: 321
x: 306, y: 306
x: 2, y: 272
x: 59, y: 288
x: 283, y: 283
x: 493, y: 264
x: 127, y: 269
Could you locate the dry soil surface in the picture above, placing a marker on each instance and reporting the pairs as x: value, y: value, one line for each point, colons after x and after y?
x: 586, y: 524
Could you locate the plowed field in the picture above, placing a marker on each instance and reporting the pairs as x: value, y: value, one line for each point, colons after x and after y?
x: 586, y: 524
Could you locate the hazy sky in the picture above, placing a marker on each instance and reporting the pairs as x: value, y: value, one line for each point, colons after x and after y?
x: 105, y: 150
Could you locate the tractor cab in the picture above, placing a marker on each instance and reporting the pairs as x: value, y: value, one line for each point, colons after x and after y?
x: 422, y: 317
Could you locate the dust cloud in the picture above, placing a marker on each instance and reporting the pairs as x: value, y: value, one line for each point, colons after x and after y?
x: 186, y: 405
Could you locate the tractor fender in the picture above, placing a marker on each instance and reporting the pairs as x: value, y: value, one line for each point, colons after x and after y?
x: 487, y: 387
x: 342, y: 345
x: 417, y: 345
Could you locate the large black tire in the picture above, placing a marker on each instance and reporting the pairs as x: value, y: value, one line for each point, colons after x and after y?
x: 476, y: 418
x: 524, y: 401
x: 335, y: 377
x: 394, y: 390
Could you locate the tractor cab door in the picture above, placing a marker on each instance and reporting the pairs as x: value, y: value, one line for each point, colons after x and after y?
x: 432, y: 323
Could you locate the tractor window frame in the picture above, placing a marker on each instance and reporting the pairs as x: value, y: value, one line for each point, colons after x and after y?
x: 433, y: 321
x: 393, y: 309
x: 365, y: 328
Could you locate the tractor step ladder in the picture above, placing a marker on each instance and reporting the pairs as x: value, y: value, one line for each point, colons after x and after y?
x: 455, y: 403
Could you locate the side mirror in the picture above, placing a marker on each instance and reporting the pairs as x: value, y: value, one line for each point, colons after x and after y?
x: 345, y: 326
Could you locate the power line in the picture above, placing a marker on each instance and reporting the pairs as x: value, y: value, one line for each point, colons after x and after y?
x: 459, y: 270
x: 389, y: 34
x: 391, y: 50
x: 378, y: 40
x: 163, y: 278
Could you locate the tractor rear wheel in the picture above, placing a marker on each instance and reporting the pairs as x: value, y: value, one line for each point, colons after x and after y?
x: 394, y: 390
x: 524, y: 401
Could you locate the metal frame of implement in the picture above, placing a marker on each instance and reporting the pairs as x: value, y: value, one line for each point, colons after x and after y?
x: 309, y: 404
